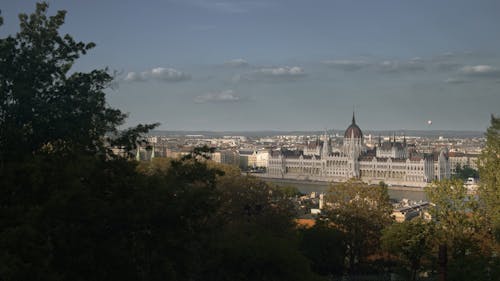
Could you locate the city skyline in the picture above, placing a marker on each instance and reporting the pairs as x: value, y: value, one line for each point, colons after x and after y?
x: 291, y: 65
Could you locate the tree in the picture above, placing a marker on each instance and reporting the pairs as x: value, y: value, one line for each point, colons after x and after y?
x: 288, y: 190
x: 411, y: 241
x: 45, y: 107
x: 68, y: 211
x: 455, y: 210
x: 361, y: 212
x: 157, y: 166
x: 248, y: 233
x: 459, y: 225
x: 246, y: 200
x: 324, y: 245
x: 465, y: 172
x: 71, y: 211
x: 489, y: 170
x: 254, y: 235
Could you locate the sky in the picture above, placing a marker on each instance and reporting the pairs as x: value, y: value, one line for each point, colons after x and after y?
x: 249, y: 65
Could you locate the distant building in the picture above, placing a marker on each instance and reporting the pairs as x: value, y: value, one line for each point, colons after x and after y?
x: 248, y: 159
x: 262, y: 158
x: 406, y: 213
x: 392, y: 162
x: 228, y: 157
x: 178, y: 152
x: 462, y: 159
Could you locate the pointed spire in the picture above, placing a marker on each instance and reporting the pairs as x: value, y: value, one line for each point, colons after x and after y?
x: 379, y: 140
x: 353, y: 119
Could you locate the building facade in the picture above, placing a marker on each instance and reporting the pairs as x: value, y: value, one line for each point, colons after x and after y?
x: 393, y: 162
x: 227, y: 156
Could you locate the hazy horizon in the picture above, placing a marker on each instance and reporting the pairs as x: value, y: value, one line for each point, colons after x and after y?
x: 373, y: 133
x: 220, y: 65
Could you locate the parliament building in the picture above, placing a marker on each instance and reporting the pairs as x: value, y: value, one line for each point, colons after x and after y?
x: 394, y: 162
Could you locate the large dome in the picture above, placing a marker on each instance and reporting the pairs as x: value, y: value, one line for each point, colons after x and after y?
x: 353, y: 131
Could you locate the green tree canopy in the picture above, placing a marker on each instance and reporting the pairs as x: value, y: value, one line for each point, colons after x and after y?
x: 489, y: 170
x: 361, y: 212
x: 465, y: 172
x: 325, y: 246
x: 460, y: 224
x: 44, y: 106
x: 411, y: 241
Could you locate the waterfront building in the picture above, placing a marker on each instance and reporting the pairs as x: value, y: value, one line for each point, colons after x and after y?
x: 262, y: 158
x: 463, y: 159
x: 248, y: 159
x: 226, y: 156
x: 395, y: 163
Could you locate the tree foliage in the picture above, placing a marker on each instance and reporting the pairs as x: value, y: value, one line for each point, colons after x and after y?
x: 252, y: 235
x: 411, y: 241
x: 325, y: 246
x: 460, y: 224
x: 455, y: 209
x: 489, y: 170
x: 70, y: 211
x: 44, y: 105
x: 465, y: 172
x: 361, y: 212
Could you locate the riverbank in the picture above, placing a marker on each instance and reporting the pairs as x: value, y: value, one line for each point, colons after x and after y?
x: 395, y: 192
x: 322, y: 183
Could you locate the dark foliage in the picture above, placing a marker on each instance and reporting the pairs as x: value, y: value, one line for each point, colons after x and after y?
x: 465, y: 172
x: 71, y: 210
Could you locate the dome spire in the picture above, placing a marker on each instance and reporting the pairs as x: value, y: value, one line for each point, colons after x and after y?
x: 353, y: 131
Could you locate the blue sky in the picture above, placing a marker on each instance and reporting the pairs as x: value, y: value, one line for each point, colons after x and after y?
x: 291, y: 65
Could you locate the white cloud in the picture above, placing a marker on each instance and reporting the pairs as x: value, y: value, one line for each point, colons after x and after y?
x: 169, y: 74
x: 236, y: 63
x: 223, y: 96
x: 486, y: 71
x: 273, y: 74
x: 282, y: 71
x: 159, y: 73
x: 413, y: 65
x: 136, y: 77
x: 469, y: 73
x: 347, y: 65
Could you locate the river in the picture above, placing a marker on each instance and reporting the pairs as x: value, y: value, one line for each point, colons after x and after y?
x: 395, y: 193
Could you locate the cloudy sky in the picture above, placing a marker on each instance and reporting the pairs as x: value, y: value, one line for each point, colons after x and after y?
x: 291, y: 64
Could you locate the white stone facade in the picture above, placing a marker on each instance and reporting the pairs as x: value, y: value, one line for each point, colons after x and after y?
x: 229, y: 157
x: 390, y: 162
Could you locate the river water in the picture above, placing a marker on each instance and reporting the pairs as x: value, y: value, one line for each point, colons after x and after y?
x: 394, y: 192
